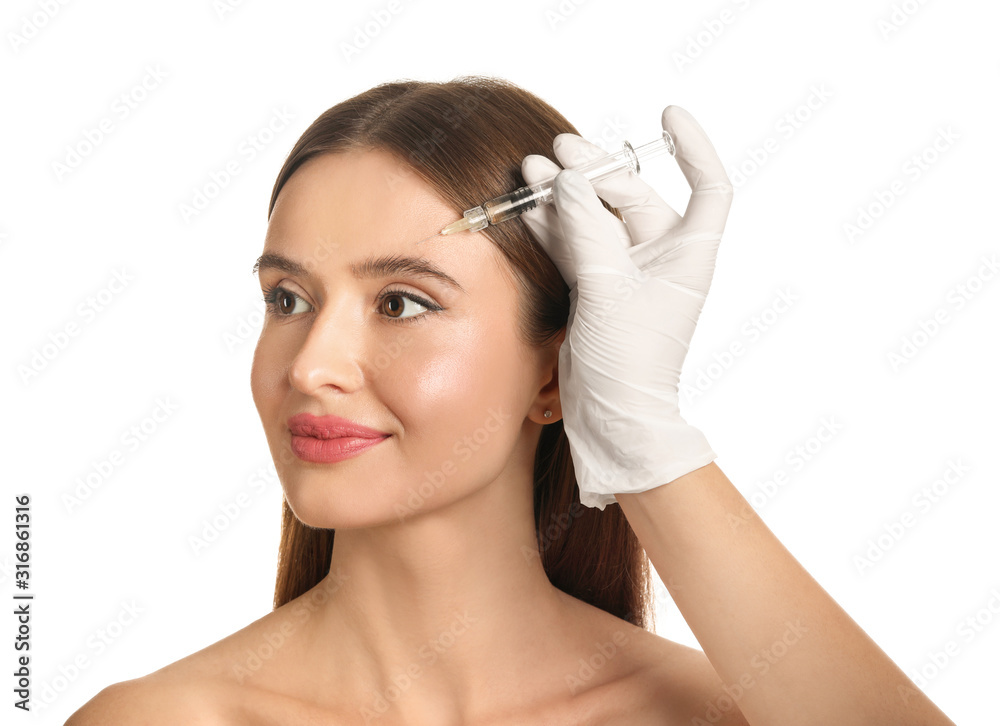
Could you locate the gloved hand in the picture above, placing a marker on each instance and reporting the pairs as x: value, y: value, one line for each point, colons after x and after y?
x: 636, y: 292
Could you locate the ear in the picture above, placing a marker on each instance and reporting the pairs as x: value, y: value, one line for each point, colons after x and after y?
x: 548, y: 395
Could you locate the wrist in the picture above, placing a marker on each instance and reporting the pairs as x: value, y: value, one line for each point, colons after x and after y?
x: 635, y: 460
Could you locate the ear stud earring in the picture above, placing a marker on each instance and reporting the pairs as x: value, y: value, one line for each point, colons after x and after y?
x: 548, y: 414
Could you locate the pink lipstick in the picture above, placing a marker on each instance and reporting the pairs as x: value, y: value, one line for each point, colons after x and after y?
x: 328, y: 439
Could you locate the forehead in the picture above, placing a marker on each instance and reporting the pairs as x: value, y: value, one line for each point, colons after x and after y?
x: 350, y: 205
x: 366, y: 192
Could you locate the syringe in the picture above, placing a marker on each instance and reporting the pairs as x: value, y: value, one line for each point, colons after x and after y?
x: 521, y: 200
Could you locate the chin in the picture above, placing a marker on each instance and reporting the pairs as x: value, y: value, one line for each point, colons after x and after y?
x: 317, y: 506
x: 356, y: 502
x: 337, y: 503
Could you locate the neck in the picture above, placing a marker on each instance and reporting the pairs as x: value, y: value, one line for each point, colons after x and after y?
x: 452, y: 604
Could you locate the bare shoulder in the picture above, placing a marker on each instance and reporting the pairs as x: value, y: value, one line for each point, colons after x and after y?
x: 218, y: 685
x: 149, y: 701
x: 690, y: 688
x: 188, y: 691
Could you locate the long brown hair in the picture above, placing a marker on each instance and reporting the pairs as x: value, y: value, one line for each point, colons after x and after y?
x: 466, y: 138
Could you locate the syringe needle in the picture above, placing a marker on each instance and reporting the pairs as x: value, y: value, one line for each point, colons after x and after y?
x: 438, y: 234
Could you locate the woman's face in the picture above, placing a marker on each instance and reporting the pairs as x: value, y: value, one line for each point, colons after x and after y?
x: 446, y: 379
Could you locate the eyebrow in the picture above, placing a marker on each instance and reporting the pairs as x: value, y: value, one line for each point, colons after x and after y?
x: 369, y: 268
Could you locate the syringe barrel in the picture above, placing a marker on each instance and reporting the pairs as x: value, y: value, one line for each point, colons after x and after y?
x: 517, y: 202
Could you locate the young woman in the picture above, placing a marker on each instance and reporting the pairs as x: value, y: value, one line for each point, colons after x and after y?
x: 450, y: 421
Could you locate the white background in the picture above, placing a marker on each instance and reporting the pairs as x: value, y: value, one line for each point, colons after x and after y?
x: 878, y: 98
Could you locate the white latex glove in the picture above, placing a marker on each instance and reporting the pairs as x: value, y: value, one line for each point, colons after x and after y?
x: 636, y: 292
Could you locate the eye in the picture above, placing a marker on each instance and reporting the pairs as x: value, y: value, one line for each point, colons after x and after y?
x: 282, y: 302
x: 394, y: 309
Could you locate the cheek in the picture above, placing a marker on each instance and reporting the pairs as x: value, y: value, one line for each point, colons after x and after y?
x: 436, y: 377
x: 457, y: 398
x: 266, y: 374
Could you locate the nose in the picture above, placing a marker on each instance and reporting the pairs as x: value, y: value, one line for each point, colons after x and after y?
x: 329, y: 356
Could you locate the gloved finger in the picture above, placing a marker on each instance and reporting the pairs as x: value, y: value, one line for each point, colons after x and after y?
x: 645, y: 212
x: 711, y: 193
x: 543, y: 221
x: 587, y: 227
x: 711, y: 190
x: 541, y: 168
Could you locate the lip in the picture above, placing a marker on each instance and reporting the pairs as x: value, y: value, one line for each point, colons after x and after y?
x: 327, y: 439
x: 330, y: 427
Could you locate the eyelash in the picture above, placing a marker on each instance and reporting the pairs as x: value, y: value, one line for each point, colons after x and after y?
x: 271, y: 300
